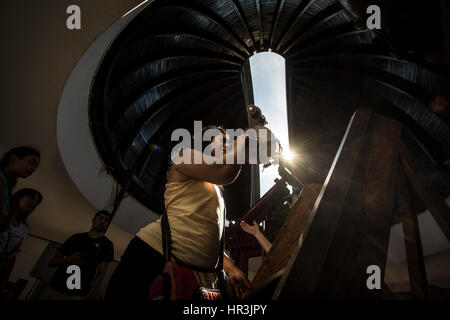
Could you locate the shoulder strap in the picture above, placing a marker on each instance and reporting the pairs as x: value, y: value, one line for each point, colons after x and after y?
x: 165, y: 235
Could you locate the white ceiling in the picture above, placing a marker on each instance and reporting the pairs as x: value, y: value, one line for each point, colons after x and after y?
x: 37, y: 57
x: 76, y: 145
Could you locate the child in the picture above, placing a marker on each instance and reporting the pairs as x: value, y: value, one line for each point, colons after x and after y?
x: 23, y: 202
x: 19, y: 162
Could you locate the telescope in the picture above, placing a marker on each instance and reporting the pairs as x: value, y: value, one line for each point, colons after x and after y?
x: 255, y: 112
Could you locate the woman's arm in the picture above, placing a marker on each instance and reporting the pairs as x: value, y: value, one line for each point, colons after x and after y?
x: 215, y: 173
x: 240, y: 282
x: 254, y: 230
x: 226, y: 172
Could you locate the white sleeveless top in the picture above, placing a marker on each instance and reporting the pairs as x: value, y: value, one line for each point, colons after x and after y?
x: 195, y: 211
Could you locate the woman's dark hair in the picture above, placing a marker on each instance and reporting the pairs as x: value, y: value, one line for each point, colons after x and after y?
x: 32, y: 193
x: 20, y: 152
x: 207, y: 142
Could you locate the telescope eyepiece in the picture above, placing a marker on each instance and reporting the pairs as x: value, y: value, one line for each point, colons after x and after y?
x: 254, y: 111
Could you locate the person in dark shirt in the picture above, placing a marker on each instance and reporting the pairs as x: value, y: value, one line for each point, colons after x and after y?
x: 92, y: 252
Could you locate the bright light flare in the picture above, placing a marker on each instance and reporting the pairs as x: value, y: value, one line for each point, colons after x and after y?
x: 287, y: 155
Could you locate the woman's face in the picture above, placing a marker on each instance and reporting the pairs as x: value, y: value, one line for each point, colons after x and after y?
x: 221, y: 140
x: 26, y: 166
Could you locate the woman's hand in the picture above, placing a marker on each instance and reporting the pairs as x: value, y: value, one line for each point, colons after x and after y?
x: 240, y: 283
x: 252, y: 229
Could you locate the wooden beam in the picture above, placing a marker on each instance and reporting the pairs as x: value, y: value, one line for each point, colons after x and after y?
x: 299, y: 37
x: 289, y: 235
x: 275, y: 21
x: 386, y: 292
x: 413, y: 245
x: 348, y: 229
x: 302, y: 9
x: 244, y: 22
x: 418, y: 178
x: 260, y: 17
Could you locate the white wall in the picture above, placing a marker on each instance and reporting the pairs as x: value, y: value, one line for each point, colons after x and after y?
x: 75, y: 140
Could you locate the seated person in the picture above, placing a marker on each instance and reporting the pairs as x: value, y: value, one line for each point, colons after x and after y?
x: 92, y: 251
x: 17, y: 163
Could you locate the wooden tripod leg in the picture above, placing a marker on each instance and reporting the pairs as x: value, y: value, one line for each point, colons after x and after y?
x: 287, y: 239
x: 413, y: 245
x: 386, y: 292
x: 348, y: 229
